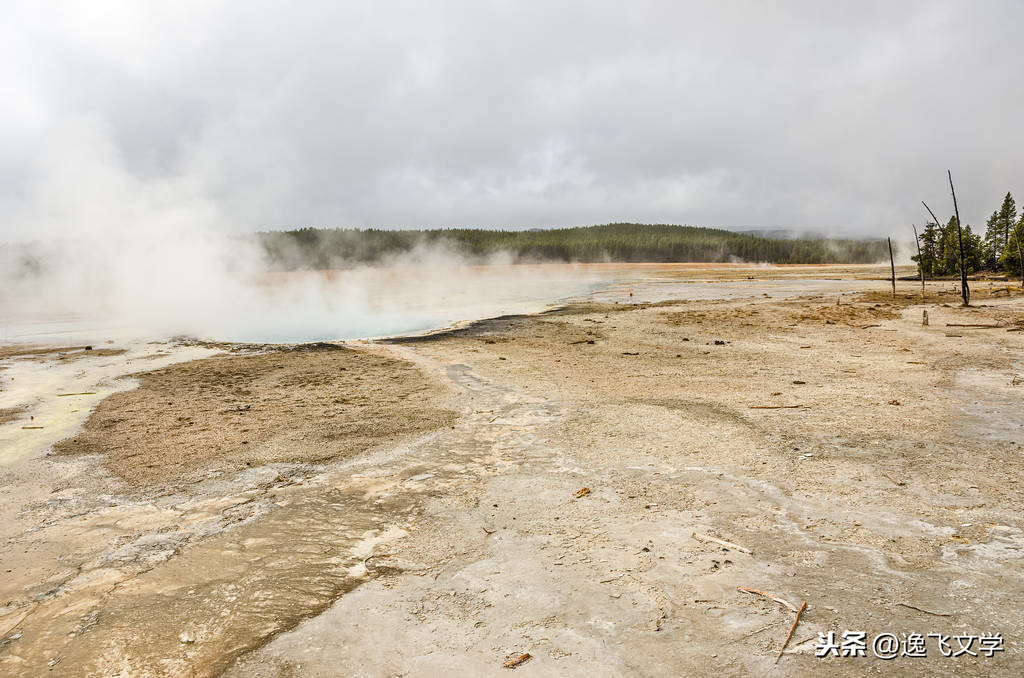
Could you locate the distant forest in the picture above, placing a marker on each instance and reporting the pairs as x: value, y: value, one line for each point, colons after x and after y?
x: 331, y: 248
x: 998, y: 250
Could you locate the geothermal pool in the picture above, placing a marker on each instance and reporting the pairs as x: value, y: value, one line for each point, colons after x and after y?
x: 340, y: 305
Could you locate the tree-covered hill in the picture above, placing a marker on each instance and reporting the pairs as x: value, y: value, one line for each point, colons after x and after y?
x: 329, y: 248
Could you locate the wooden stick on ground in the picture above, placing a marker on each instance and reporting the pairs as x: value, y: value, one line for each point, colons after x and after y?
x: 919, y: 609
x: 769, y: 596
x: 979, y: 325
x: 512, y: 663
x: 774, y: 407
x: 796, y: 620
x: 700, y: 536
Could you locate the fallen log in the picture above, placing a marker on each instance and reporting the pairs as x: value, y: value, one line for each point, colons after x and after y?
x: 988, y: 326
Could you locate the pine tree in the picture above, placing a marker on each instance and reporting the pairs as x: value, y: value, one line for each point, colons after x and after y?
x: 1011, y: 254
x: 929, y: 248
x: 974, y: 250
x: 994, y: 241
x: 1007, y: 218
x: 949, y: 249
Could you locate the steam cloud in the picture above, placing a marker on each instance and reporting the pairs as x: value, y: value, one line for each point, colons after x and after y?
x: 147, y: 257
x: 214, y: 286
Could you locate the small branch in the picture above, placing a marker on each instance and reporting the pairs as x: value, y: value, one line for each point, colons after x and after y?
x: 754, y: 633
x: 769, y: 596
x: 700, y: 536
x: 773, y: 407
x: 796, y: 620
x: 979, y: 325
x: 919, y: 609
x: 512, y: 663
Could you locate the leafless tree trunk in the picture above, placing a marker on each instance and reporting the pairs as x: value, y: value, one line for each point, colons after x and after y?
x: 964, y: 290
x: 892, y: 267
x: 920, y: 259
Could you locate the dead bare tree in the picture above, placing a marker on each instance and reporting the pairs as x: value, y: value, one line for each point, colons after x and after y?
x: 964, y: 290
x: 920, y: 259
x: 963, y: 273
x: 892, y: 267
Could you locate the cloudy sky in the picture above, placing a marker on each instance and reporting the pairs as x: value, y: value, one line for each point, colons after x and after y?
x: 251, y: 115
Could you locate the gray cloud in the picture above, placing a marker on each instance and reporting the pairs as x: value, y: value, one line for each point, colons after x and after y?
x: 250, y: 115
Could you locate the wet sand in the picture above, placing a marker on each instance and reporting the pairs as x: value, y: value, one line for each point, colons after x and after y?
x: 415, y: 514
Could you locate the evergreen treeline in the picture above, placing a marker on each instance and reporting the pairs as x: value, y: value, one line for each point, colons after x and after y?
x: 996, y: 251
x: 329, y: 248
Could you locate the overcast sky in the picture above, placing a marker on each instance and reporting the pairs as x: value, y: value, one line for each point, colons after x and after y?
x: 250, y: 115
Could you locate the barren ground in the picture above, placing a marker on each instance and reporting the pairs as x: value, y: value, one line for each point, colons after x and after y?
x: 409, y: 507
